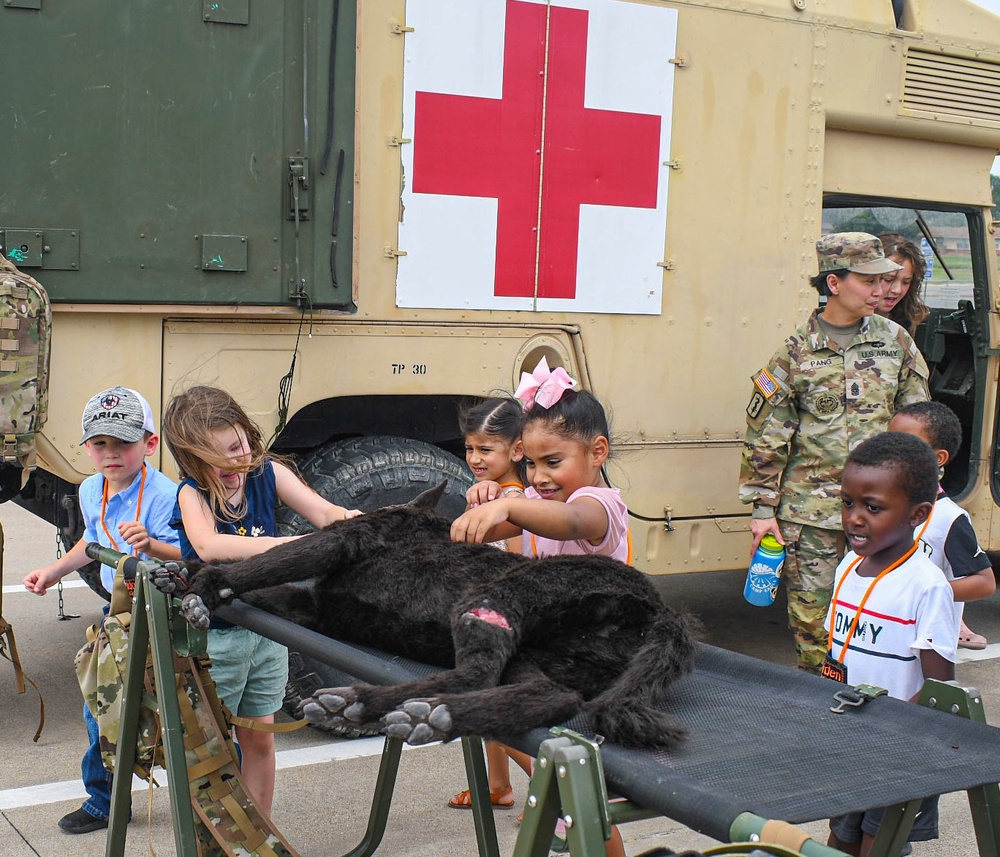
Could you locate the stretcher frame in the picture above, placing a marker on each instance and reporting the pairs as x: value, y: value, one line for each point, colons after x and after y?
x: 568, y: 780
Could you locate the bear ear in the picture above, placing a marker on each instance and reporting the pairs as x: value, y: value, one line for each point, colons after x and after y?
x: 429, y: 498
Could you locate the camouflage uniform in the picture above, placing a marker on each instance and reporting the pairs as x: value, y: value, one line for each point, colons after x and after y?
x: 810, y: 407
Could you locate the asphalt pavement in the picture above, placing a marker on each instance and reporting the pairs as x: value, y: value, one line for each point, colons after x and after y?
x: 324, y: 784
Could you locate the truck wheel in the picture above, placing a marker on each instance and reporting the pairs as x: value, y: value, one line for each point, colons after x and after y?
x: 366, y: 473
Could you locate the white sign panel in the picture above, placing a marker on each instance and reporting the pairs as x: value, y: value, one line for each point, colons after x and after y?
x: 535, y: 176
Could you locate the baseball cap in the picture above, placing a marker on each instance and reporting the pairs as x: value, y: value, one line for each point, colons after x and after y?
x: 117, y: 412
x: 855, y: 251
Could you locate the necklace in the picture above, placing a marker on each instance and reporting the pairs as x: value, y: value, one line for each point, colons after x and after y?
x: 104, y: 508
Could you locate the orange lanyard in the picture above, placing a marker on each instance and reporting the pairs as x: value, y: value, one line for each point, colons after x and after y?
x: 138, y: 508
x: 864, y: 599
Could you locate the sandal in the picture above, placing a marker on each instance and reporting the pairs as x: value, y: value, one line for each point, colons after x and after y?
x: 502, y: 800
x: 972, y: 640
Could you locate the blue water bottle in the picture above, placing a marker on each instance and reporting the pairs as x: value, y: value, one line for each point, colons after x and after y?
x: 765, y: 572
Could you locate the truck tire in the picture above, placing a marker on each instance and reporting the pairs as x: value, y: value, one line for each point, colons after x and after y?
x: 366, y: 473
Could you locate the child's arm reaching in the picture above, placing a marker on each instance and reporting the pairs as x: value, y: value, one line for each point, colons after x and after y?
x: 483, y: 492
x: 210, y: 545
x: 295, y: 494
x: 583, y: 519
x: 39, y: 580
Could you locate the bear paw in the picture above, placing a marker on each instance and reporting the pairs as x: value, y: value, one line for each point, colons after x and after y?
x: 195, y: 611
x: 333, y: 707
x: 419, y: 721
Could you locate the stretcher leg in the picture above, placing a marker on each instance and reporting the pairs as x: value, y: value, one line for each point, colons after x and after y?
x: 479, y: 788
x: 984, y: 801
x: 381, y: 800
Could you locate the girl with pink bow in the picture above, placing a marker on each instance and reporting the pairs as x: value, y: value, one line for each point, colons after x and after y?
x: 565, y: 444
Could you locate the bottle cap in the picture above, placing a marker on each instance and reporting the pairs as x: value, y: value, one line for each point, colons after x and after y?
x: 770, y: 543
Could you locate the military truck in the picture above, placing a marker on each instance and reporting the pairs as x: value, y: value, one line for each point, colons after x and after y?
x: 354, y: 215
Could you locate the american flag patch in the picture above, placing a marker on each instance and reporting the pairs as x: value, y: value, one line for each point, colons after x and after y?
x: 765, y: 383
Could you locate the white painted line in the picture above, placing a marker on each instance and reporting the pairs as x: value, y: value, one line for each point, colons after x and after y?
x: 14, y: 588
x: 66, y: 790
x: 967, y: 655
x: 337, y: 750
x: 354, y: 748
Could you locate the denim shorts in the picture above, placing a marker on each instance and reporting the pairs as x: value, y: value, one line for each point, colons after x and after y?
x: 249, y: 671
x: 848, y: 828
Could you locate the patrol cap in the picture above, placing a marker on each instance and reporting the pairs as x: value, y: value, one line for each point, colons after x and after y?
x: 855, y: 251
x: 119, y: 412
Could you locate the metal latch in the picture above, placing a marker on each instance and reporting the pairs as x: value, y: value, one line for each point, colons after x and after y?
x: 855, y: 697
x: 297, y: 184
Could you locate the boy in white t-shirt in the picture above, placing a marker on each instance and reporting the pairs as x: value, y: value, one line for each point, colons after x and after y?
x: 892, y: 620
x: 948, y: 537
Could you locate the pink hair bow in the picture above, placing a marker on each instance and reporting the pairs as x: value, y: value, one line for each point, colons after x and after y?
x: 543, y: 387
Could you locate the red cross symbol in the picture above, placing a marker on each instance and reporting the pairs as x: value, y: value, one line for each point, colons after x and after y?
x: 487, y: 147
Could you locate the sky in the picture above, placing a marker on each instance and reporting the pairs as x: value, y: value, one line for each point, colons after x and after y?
x: 989, y: 5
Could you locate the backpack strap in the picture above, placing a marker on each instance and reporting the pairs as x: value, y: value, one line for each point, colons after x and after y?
x: 227, y: 819
x: 257, y: 726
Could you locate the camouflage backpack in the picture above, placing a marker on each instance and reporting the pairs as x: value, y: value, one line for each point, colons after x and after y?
x: 25, y: 329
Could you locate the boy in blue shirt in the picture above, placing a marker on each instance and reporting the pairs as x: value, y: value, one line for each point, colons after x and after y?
x: 126, y: 506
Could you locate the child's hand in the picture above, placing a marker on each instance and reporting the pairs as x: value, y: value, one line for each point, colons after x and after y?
x: 352, y: 513
x: 136, y: 536
x: 475, y: 524
x: 483, y: 492
x: 40, y: 580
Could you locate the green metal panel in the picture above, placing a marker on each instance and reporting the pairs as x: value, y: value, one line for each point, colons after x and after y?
x: 152, y: 131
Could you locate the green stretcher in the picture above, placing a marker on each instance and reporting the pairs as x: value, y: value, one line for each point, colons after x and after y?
x: 762, y: 737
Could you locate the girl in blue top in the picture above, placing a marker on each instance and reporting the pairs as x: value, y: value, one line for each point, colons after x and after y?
x: 226, y: 511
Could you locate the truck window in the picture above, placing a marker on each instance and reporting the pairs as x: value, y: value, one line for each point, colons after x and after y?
x: 954, y: 336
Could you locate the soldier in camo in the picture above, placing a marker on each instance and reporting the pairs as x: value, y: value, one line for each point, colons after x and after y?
x: 833, y: 383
